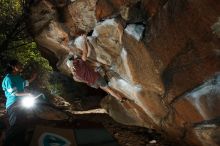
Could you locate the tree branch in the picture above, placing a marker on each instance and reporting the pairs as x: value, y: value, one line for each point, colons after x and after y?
x: 19, y: 45
x: 4, y: 45
x: 18, y: 32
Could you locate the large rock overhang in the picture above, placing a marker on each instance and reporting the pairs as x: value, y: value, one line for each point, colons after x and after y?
x: 163, y: 55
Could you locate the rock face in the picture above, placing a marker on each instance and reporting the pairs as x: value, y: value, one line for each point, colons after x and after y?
x: 163, y: 55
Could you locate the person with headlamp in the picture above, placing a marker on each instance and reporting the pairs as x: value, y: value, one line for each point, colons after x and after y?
x: 14, y: 87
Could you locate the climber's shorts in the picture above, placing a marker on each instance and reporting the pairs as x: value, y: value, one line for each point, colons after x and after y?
x: 101, y: 82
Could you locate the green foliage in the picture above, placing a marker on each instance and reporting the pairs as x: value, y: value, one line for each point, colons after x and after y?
x: 29, y: 54
x: 33, y: 62
x: 55, y: 88
x: 16, y: 43
x: 13, y: 32
x: 14, y: 6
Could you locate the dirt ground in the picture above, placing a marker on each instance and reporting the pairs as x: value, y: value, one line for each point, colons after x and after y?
x: 124, y: 135
x: 127, y: 135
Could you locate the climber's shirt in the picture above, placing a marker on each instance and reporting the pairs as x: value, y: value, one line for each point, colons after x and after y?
x: 84, y: 72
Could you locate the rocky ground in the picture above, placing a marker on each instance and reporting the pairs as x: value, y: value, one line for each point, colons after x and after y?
x: 88, y: 109
x: 125, y: 135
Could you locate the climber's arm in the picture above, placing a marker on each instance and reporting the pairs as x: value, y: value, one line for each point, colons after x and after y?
x: 86, y: 49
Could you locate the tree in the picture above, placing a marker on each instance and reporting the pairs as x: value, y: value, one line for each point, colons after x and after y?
x: 16, y: 42
x: 12, y: 26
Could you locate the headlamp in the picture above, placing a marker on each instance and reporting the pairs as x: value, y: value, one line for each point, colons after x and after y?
x: 28, y: 101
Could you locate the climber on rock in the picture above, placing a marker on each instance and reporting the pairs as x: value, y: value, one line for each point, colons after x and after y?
x: 83, y: 72
x: 82, y: 47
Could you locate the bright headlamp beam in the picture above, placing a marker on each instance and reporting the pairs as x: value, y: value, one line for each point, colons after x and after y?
x: 28, y: 102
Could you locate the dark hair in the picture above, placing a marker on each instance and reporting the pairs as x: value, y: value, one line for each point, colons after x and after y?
x: 11, y: 65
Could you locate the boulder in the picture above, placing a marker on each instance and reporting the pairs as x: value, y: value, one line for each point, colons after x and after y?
x: 167, y: 65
